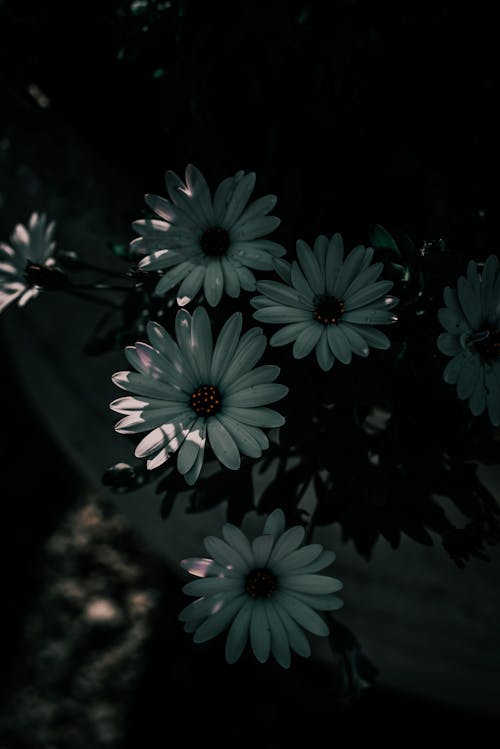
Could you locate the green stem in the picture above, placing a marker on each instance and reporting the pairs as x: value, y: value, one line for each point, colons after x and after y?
x: 90, y: 298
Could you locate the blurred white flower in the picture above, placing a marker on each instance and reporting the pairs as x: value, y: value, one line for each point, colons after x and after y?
x: 29, y: 252
x: 207, y: 243
x: 267, y: 591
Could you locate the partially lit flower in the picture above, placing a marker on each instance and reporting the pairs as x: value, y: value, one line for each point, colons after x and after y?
x: 26, y: 261
x: 207, y: 243
x: 327, y: 302
x: 266, y: 591
x: 472, y: 321
x: 189, y: 392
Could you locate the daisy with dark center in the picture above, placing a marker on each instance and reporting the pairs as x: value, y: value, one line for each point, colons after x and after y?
x: 471, y: 319
x: 207, y: 243
x: 27, y: 263
x: 187, y: 392
x: 265, y: 591
x: 327, y: 302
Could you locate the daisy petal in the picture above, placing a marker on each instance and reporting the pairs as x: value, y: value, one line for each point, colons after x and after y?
x: 238, y: 633
x: 223, y: 444
x: 280, y: 647
x: 260, y: 637
x: 303, y: 614
x: 216, y: 623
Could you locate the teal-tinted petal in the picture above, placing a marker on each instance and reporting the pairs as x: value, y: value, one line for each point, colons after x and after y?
x: 275, y: 523
x: 287, y: 542
x: 300, y: 283
x: 201, y: 346
x: 282, y: 294
x: 356, y: 341
x: 173, y: 277
x: 324, y: 355
x: 312, y: 584
x: 303, y: 614
x: 306, y: 340
x: 226, y: 345
x: 260, y: 636
x: 191, y: 446
x: 320, y: 251
x: 453, y: 369
x: 223, y: 444
x: 231, y: 279
x: 348, y: 271
x: 339, y: 343
x: 257, y: 417
x: 213, y: 284
x: 449, y: 344
x: 492, y: 385
x: 373, y: 337
x: 239, y: 200
x: 310, y: 268
x: 242, y: 436
x: 298, y: 559
x: 217, y: 622
x: 370, y: 316
x: 296, y: 637
x: 225, y: 555
x: 333, y: 262
x: 280, y: 647
x: 281, y: 314
x: 367, y: 295
x: 477, y: 402
x: 257, y: 395
x: 238, y: 634
x: 291, y: 332
x: 191, y: 285
x: 237, y: 539
x: 250, y: 349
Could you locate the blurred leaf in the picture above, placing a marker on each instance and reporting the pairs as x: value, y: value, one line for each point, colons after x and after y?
x: 380, y: 238
x: 355, y: 673
x: 123, y: 477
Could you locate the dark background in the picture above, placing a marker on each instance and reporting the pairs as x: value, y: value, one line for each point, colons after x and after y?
x: 352, y: 113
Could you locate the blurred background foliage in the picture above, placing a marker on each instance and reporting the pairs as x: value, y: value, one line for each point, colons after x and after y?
x: 352, y: 112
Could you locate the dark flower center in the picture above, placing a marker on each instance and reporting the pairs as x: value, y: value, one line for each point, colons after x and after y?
x: 50, y: 279
x: 260, y: 583
x: 215, y: 241
x: 328, y: 310
x: 489, y: 347
x: 206, y: 400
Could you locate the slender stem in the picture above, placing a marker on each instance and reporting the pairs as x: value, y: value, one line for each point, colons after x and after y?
x: 90, y: 298
x: 101, y: 286
x: 107, y: 271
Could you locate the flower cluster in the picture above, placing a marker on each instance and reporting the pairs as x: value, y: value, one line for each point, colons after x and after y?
x: 188, y: 394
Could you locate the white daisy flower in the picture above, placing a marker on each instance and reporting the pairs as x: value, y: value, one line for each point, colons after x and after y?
x: 205, y: 242
x: 327, y: 302
x: 23, y: 261
x: 472, y: 321
x: 189, y: 392
x: 267, y: 591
